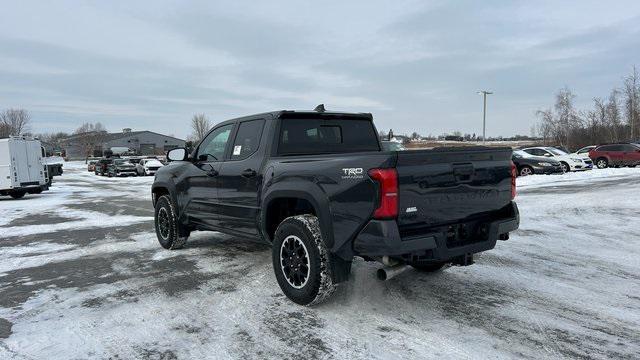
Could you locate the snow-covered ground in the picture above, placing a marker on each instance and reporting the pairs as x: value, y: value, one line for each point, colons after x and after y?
x: 82, y: 276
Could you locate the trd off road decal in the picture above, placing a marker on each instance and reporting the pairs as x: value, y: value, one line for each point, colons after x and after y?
x: 352, y: 173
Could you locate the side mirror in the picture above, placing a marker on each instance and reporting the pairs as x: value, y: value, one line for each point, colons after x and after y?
x: 178, y: 154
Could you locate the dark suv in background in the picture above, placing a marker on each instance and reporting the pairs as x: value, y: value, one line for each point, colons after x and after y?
x: 121, y: 167
x: 615, y: 155
x: 101, y: 166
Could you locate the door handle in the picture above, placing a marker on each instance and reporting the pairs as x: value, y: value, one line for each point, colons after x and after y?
x: 249, y: 173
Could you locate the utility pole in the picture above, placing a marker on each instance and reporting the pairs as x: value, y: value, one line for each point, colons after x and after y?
x: 484, y: 114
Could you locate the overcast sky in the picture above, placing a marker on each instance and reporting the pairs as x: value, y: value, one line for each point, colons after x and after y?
x: 416, y: 65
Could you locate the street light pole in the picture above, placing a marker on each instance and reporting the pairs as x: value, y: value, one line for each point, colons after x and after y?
x: 484, y: 114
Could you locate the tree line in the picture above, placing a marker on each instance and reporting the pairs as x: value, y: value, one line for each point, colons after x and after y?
x: 14, y: 122
x: 612, y: 119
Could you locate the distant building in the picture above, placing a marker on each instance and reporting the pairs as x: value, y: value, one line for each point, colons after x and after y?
x: 138, y: 142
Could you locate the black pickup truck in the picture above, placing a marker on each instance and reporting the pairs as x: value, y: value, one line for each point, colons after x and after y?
x: 317, y: 186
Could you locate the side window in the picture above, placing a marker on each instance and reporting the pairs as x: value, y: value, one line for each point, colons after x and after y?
x: 629, y: 148
x: 214, y: 144
x: 247, y: 139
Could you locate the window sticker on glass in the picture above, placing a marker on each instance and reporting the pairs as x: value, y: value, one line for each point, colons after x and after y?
x: 237, y: 150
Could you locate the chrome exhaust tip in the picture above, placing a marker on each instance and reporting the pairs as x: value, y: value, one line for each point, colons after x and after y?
x: 389, y: 272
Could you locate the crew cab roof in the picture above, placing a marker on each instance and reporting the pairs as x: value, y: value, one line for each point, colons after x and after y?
x: 282, y: 114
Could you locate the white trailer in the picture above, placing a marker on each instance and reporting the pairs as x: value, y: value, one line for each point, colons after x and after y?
x: 21, y: 167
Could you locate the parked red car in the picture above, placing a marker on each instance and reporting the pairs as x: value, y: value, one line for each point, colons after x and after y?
x: 615, y: 155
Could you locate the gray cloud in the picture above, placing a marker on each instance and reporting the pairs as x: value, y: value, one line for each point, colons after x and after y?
x: 414, y: 65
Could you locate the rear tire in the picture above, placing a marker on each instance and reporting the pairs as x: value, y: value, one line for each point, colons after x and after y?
x: 301, y: 261
x: 428, y: 267
x: 602, y: 163
x: 169, y: 232
x: 17, y: 194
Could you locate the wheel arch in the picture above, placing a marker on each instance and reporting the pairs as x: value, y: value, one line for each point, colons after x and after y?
x: 279, y: 204
x: 160, y: 189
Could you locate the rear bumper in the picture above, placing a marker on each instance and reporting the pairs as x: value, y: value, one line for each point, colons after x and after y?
x: 546, y: 170
x: 126, y: 172
x: 382, y: 237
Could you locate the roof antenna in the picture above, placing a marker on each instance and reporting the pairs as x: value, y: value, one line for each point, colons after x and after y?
x: 320, y: 108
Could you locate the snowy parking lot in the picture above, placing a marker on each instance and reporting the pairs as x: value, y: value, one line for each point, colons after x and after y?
x: 82, y: 276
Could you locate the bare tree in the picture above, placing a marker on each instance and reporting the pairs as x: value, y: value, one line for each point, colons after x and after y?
x: 5, y: 130
x: 613, y: 115
x: 16, y: 120
x: 89, y: 138
x: 200, y: 126
x: 56, y: 139
x: 547, y: 125
x: 632, y: 102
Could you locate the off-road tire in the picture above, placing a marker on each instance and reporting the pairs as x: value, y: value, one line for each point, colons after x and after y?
x: 602, y: 163
x: 435, y: 267
x: 172, y: 237
x: 17, y: 194
x: 319, y: 284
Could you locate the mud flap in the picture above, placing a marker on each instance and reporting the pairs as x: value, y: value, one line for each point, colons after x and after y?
x: 463, y: 260
x: 340, y: 269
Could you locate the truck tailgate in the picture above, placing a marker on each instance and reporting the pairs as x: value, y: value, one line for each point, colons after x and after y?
x: 449, y: 185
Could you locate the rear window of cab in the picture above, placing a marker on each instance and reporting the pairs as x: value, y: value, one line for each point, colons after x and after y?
x: 326, y: 136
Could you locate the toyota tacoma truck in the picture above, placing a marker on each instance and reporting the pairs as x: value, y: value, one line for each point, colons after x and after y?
x: 319, y: 189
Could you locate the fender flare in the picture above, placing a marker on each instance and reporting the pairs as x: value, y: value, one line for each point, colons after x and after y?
x: 303, y: 190
x: 170, y: 187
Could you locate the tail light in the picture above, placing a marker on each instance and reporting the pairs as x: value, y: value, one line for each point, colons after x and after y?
x: 388, y: 202
x: 514, y: 174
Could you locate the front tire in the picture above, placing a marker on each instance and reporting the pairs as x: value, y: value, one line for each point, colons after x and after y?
x: 526, y: 171
x: 17, y: 194
x: 565, y: 167
x: 301, y: 261
x: 167, y: 226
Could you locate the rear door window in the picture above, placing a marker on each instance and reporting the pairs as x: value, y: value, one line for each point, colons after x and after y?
x: 536, y: 152
x: 325, y: 136
x: 610, y: 148
x: 247, y: 139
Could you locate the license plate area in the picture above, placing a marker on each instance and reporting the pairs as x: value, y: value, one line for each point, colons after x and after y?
x: 466, y: 233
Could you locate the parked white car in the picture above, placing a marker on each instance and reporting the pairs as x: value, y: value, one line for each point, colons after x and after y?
x: 569, y: 162
x: 148, y: 166
x: 584, y: 152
